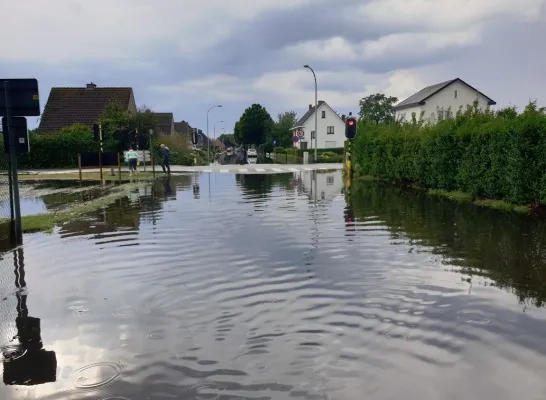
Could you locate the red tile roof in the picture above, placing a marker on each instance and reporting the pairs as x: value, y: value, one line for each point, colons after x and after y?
x: 67, y: 106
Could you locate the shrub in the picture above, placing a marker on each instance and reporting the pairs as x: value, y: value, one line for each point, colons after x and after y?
x: 493, y: 155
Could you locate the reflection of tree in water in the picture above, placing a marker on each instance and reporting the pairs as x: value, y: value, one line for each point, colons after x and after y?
x: 27, y: 363
x: 261, y: 185
x: 508, y: 248
x: 120, y: 215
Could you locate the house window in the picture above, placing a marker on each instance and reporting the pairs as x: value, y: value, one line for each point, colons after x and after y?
x: 330, y: 180
x: 324, y: 114
x: 330, y: 130
x: 312, y: 134
x: 440, y: 115
x: 455, y: 94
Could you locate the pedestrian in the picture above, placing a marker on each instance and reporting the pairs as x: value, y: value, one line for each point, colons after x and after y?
x: 166, y: 154
x: 132, y: 160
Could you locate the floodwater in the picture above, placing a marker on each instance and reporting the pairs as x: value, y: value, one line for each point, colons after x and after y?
x: 274, y: 287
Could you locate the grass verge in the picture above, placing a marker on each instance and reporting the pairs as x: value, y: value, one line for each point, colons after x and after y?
x: 87, y: 176
x: 462, y: 197
x: 47, y: 222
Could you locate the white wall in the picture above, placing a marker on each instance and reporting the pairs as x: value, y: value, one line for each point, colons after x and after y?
x: 405, y: 114
x: 324, y: 140
x: 329, y: 185
x: 442, y: 101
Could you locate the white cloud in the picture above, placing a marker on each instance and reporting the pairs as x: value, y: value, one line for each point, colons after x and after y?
x: 295, y: 89
x: 76, y: 31
x: 395, y: 45
x: 447, y: 14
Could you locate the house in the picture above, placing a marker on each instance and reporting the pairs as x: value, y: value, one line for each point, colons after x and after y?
x: 70, y: 105
x: 165, y: 123
x: 440, y: 101
x: 330, y: 126
x: 184, y: 128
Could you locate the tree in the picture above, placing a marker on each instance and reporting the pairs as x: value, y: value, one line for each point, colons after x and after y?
x: 377, y: 108
x: 254, y: 126
x: 281, y: 132
x: 228, y: 139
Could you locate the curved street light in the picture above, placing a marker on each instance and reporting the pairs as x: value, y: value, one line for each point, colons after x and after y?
x: 316, y: 111
x: 208, y: 137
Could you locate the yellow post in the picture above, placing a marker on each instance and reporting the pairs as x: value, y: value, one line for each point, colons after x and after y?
x: 80, y: 167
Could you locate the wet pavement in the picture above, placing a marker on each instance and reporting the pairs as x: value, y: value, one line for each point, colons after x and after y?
x: 234, y: 286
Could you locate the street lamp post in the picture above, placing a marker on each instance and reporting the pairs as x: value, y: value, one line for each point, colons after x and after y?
x: 208, y: 137
x: 316, y: 111
x: 214, y: 130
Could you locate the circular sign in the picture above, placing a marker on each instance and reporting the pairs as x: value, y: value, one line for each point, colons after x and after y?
x: 300, y: 133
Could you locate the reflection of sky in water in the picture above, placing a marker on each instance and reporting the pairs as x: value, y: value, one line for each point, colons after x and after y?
x: 29, y: 206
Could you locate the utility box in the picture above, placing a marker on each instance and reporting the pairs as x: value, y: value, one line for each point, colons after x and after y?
x: 19, y: 132
x: 306, y: 157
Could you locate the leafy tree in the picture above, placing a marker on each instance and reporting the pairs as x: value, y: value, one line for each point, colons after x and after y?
x: 228, y: 139
x: 281, y: 132
x: 254, y: 126
x: 377, y: 108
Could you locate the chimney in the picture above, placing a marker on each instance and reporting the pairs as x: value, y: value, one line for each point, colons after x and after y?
x: 320, y: 102
x: 91, y: 85
x: 310, y: 106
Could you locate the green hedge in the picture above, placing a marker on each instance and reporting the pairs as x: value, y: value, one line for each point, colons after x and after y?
x: 60, y: 150
x: 492, y: 155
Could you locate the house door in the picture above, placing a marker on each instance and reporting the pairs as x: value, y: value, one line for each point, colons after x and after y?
x: 303, y: 145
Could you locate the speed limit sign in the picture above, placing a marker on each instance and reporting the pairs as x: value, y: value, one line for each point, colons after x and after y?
x: 300, y: 133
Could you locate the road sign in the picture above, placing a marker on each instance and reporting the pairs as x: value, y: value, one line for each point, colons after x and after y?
x: 23, y: 97
x: 300, y: 133
x: 19, y: 135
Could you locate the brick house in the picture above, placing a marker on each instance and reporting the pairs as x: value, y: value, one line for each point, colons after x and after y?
x: 70, y: 105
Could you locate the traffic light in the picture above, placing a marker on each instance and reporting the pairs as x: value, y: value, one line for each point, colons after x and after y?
x: 194, y: 136
x: 350, y: 128
x: 96, y: 132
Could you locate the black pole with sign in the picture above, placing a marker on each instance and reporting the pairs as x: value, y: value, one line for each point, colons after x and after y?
x: 14, y: 197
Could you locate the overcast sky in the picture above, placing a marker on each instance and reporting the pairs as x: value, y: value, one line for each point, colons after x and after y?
x: 183, y: 56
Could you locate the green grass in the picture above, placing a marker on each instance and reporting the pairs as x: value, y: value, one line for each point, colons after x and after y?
x: 462, y: 197
x: 47, y: 222
x: 457, y: 196
x: 88, y: 176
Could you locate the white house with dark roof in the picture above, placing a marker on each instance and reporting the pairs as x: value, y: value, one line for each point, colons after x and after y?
x: 331, y: 128
x: 440, y: 101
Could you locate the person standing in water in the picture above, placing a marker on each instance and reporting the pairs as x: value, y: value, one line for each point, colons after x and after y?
x: 166, y: 155
x: 132, y: 160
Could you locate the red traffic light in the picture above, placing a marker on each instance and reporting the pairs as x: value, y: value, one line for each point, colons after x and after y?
x: 351, y: 122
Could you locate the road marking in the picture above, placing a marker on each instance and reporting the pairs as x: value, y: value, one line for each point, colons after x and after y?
x: 276, y: 169
x: 260, y: 170
x: 308, y: 169
x: 293, y: 169
x: 224, y: 171
x: 207, y: 170
x: 243, y: 170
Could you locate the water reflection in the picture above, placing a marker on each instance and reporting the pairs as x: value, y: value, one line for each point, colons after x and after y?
x: 26, y: 362
x: 508, y: 248
x: 273, y: 287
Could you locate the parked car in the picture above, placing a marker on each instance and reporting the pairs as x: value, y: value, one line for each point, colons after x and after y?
x: 252, y: 153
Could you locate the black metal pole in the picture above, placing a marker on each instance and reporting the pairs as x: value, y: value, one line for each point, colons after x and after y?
x: 13, y: 171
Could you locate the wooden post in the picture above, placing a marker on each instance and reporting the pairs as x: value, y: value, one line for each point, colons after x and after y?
x: 80, y: 167
x: 119, y: 168
x: 100, y: 166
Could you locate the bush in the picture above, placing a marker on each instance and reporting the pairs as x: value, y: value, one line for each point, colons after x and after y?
x: 492, y: 155
x: 59, y: 150
x: 329, y: 157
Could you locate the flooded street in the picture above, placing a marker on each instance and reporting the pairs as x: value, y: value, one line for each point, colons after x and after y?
x: 225, y: 286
